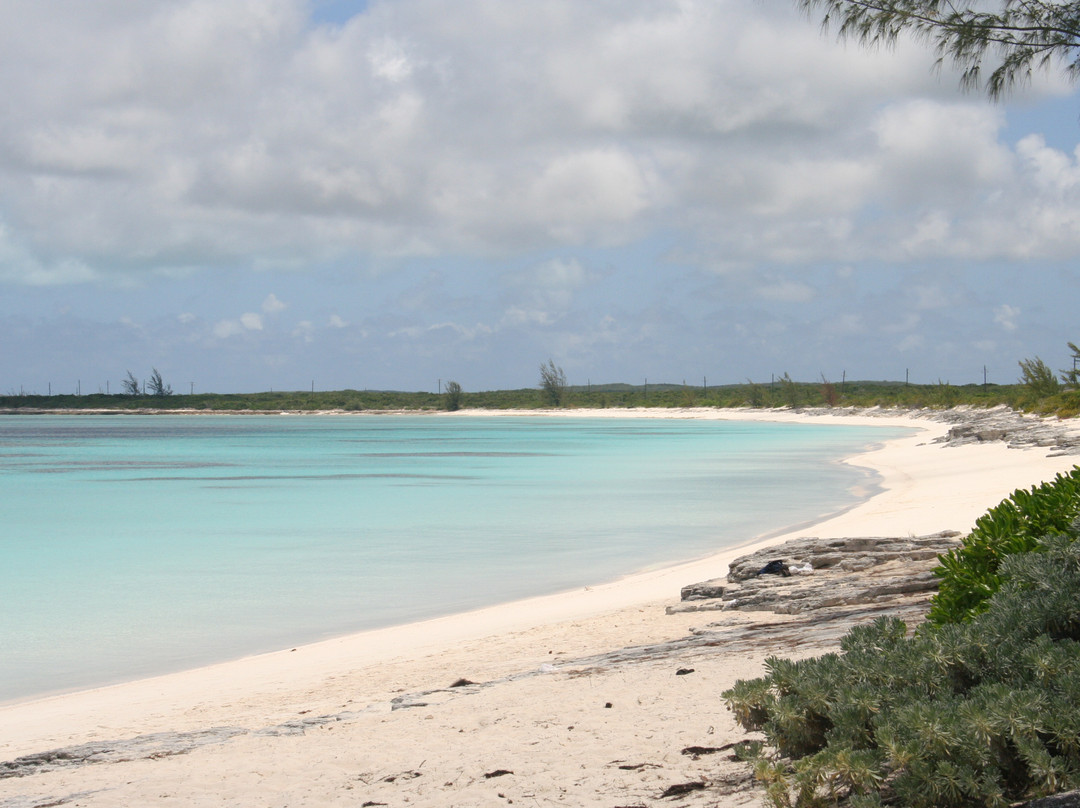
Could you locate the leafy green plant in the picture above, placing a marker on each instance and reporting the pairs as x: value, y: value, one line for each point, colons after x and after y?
x: 981, y: 713
x: 970, y: 573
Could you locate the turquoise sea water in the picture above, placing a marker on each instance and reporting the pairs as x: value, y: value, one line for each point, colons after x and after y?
x: 135, y: 545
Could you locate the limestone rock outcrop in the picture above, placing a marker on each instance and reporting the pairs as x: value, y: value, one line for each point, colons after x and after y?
x: 807, y: 574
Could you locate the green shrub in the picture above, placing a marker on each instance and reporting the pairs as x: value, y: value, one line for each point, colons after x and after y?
x: 970, y: 573
x: 980, y: 713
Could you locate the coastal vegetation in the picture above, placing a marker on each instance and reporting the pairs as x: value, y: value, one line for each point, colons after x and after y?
x: 1037, y: 390
x: 980, y: 707
x: 781, y: 391
x: 552, y: 384
x: 156, y: 386
x: 971, y: 573
x: 452, y: 395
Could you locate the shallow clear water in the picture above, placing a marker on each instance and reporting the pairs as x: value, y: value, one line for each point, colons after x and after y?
x: 134, y: 545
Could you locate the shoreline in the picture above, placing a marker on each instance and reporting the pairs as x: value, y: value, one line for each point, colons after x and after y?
x: 655, y: 555
x: 924, y: 488
x: 615, y: 592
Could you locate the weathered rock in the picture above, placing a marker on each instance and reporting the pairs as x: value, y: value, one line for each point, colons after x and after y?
x: 706, y: 590
x: 849, y: 554
x: 1067, y: 799
x: 997, y: 424
x: 827, y: 573
x: 1018, y: 430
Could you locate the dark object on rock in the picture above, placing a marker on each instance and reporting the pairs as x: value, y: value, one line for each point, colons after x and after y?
x: 775, y: 567
x: 497, y: 773
x: 607, y: 706
x: 683, y: 671
x: 463, y: 683
x: 679, y: 789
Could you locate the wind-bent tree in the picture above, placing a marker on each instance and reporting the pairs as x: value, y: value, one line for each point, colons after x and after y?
x: 1037, y: 376
x: 1071, y: 376
x: 131, y: 385
x: 452, y: 396
x: 157, y: 385
x: 1014, y: 37
x: 789, y: 390
x: 552, y: 383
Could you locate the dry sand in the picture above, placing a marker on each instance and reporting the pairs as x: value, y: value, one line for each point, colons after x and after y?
x: 317, y: 725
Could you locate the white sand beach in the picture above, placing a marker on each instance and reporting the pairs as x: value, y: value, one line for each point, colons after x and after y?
x: 542, y: 725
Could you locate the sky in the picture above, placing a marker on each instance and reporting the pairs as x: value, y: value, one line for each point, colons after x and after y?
x: 285, y: 194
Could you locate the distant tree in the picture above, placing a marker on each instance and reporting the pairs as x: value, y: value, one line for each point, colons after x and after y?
x: 1018, y: 36
x: 1036, y: 375
x: 131, y: 385
x: 452, y: 396
x: 828, y: 392
x: 157, y: 385
x: 552, y: 384
x: 756, y: 394
x: 789, y: 391
x: 1071, y: 376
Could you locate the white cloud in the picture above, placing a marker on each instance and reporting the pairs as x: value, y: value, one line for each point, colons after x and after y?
x: 929, y: 296
x: 271, y: 305
x: 224, y: 329
x: 932, y: 148
x: 249, y: 321
x: 304, y: 331
x: 689, y: 166
x: 389, y: 60
x: 1006, y: 316
x: 210, y: 134
x: 787, y: 292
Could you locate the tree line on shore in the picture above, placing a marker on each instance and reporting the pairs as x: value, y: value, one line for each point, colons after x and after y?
x: 1039, y: 389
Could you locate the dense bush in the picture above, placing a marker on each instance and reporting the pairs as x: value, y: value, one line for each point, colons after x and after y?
x: 983, y: 712
x: 970, y: 573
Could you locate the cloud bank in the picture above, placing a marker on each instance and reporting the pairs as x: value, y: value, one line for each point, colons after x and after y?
x: 480, y: 172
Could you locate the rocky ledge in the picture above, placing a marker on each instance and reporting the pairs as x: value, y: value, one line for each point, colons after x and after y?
x: 808, y: 574
x: 1016, y: 429
x: 999, y: 424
